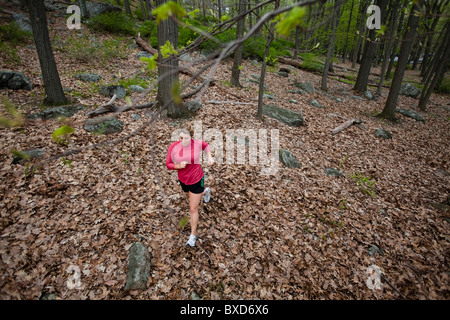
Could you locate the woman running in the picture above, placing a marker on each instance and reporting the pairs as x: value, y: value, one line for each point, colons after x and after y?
x: 183, y: 155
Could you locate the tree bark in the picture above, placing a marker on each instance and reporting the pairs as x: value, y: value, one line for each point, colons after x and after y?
x: 390, y: 41
x: 263, y: 67
x: 334, y: 22
x: 441, y: 61
x: 391, y: 102
x: 368, y: 55
x: 168, y: 77
x: 235, y: 71
x: 54, y: 94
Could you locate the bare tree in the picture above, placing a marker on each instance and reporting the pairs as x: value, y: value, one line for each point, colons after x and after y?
x: 235, y: 71
x: 391, y: 102
x: 54, y: 94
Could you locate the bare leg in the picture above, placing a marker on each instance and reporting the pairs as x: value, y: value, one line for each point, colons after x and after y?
x: 194, y: 200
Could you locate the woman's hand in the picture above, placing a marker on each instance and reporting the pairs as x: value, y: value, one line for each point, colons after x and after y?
x: 210, y: 161
x: 182, y: 165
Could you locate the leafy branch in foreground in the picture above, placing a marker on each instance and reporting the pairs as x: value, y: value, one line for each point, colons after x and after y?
x: 17, y: 118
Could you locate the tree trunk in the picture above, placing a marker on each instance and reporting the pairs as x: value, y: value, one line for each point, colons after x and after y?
x: 394, y: 49
x: 390, y: 41
x: 127, y: 7
x: 348, y: 32
x: 334, y: 22
x: 168, y: 31
x: 144, y: 12
x: 263, y: 67
x: 361, y: 23
x: 368, y: 55
x: 405, y: 49
x: 54, y: 94
x: 440, y: 66
x: 235, y: 71
x: 83, y: 8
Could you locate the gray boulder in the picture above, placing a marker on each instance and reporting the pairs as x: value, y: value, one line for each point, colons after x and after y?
x: 55, y: 112
x: 138, y: 267
x: 109, y: 91
x: 382, y: 133
x: 144, y: 54
x: 98, y: 8
x: 193, y: 105
x: 409, y: 90
x: 305, y: 86
x: 136, y: 88
x: 288, y: 159
x: 369, y: 95
x: 410, y: 114
x: 14, y: 80
x: 32, y: 154
x: 286, y: 116
x: 333, y: 172
x: 88, y: 77
x: 23, y: 22
x: 103, y: 125
x: 316, y: 104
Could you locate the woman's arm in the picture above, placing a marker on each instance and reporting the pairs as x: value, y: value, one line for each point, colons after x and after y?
x: 169, y: 162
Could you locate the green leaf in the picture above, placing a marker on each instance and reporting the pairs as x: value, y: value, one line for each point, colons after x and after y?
x: 176, y: 93
x: 63, y: 130
x: 151, y: 62
x: 20, y: 154
x: 168, y: 9
x: 167, y: 49
x: 183, y: 222
x: 17, y: 118
x: 193, y: 13
x: 293, y: 19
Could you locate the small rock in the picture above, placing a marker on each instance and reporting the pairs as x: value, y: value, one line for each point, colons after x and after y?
x: 138, y: 267
x: 194, y: 296
x: 103, y: 125
x: 135, y: 116
x: 288, y: 159
x: 369, y: 95
x: 409, y: 90
x: 144, y: 54
x: 33, y: 153
x: 136, y: 88
x: 55, y: 112
x: 14, y: 80
x: 193, y: 105
x: 333, y: 172
x: 283, y: 74
x: 410, y: 114
x: 305, y: 86
x: 316, y: 104
x: 382, y: 133
x: 88, y: 77
x: 291, y: 118
x: 109, y: 91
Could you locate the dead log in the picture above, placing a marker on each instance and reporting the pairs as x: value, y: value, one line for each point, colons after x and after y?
x: 145, y: 45
x: 291, y: 62
x: 346, y: 124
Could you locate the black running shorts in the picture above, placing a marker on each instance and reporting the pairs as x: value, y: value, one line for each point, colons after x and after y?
x: 197, y: 187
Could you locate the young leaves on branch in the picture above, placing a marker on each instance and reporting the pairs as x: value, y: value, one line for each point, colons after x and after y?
x: 17, y: 118
x: 168, y: 9
x: 289, y: 21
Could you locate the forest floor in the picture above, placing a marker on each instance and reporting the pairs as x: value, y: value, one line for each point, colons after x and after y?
x: 297, y: 234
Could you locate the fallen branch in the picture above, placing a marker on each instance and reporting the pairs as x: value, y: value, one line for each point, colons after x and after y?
x: 346, y: 124
x: 147, y: 47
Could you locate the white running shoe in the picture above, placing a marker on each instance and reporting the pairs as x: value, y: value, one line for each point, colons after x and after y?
x: 191, y: 241
x: 207, y: 195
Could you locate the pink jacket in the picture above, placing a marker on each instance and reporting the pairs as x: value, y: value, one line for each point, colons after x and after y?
x: 193, y: 172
